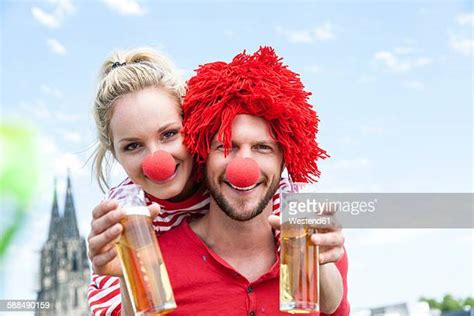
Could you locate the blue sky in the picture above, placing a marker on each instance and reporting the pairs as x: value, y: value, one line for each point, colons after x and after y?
x: 391, y: 81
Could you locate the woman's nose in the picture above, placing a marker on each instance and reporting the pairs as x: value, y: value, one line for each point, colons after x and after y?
x: 158, y: 166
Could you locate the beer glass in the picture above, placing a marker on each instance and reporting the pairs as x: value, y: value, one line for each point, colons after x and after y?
x: 142, y: 263
x: 299, y: 257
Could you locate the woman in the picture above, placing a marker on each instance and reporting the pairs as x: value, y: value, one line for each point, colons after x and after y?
x: 137, y: 111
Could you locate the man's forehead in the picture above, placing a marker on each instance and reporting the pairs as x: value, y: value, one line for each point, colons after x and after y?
x: 247, y: 127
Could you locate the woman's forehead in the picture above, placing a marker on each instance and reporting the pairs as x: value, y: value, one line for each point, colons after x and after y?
x: 144, y: 110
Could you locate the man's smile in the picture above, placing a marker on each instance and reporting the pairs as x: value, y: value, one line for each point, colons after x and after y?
x: 246, y: 189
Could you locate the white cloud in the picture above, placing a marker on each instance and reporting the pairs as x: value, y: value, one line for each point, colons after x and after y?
x: 461, y: 44
x: 70, y: 161
x: 415, y: 84
x: 44, y: 18
x: 56, y: 162
x: 71, y: 136
x: 423, y: 61
x: 461, y: 39
x: 391, y: 61
x: 66, y: 117
x: 307, y: 36
x: 394, y: 62
x: 299, y: 36
x: 37, y: 108
x: 56, y: 47
x: 126, y: 7
x: 51, y: 91
x: 54, y: 19
x: 324, y: 32
x: 465, y: 19
x: 64, y: 7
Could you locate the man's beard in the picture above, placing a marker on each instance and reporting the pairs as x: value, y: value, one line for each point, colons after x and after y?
x: 230, y: 211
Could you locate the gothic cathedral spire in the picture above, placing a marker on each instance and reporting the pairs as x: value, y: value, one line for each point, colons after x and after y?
x: 55, y: 221
x: 70, y: 222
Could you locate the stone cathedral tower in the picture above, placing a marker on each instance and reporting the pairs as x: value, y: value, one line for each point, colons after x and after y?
x: 64, y: 268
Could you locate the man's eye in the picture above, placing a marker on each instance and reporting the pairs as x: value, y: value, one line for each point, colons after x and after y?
x: 222, y: 148
x: 264, y: 148
x: 169, y: 134
x: 131, y: 147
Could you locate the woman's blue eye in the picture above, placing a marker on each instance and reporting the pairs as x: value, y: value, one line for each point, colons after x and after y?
x: 131, y: 146
x: 169, y: 134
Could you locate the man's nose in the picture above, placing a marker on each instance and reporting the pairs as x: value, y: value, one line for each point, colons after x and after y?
x: 243, y: 172
x: 244, y: 152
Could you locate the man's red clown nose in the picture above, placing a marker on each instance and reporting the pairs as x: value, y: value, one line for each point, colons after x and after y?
x: 159, y: 166
x: 242, y: 172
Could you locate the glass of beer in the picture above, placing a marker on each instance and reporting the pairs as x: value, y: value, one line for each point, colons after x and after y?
x: 299, y: 257
x: 144, y: 271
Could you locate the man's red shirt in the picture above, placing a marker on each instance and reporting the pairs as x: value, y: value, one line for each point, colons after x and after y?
x: 204, y: 284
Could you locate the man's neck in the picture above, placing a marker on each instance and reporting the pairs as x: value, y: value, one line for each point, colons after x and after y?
x: 247, y: 246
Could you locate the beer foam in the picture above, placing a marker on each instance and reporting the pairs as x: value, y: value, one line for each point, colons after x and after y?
x: 137, y: 210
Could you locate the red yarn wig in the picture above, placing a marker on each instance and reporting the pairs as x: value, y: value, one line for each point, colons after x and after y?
x: 259, y: 85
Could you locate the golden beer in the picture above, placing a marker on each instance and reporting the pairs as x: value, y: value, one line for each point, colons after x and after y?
x: 144, y: 270
x: 299, y: 270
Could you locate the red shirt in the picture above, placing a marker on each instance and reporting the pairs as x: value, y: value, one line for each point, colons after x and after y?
x: 204, y: 284
x: 104, y: 295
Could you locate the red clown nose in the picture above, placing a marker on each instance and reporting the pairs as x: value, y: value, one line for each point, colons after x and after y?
x: 242, y: 172
x: 159, y: 166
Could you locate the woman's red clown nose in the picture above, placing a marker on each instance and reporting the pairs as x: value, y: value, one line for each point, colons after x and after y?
x: 159, y: 166
x: 242, y: 172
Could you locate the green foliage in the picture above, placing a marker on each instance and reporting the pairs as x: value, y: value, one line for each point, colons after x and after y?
x: 18, y: 164
x: 469, y: 301
x: 18, y: 177
x: 448, y: 303
x: 431, y: 302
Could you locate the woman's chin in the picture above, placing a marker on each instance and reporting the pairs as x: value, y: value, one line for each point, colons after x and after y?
x: 162, y: 192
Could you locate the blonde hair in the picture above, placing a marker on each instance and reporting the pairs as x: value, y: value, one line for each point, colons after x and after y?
x: 122, y: 73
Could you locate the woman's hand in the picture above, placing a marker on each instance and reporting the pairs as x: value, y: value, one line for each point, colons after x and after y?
x: 105, y: 229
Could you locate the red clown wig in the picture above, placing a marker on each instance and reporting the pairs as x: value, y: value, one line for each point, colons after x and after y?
x: 259, y: 85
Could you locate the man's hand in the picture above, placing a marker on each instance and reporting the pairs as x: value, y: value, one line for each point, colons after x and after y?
x: 330, y: 241
x: 105, y: 229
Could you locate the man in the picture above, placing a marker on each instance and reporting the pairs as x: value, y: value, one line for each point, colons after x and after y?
x: 226, y: 262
